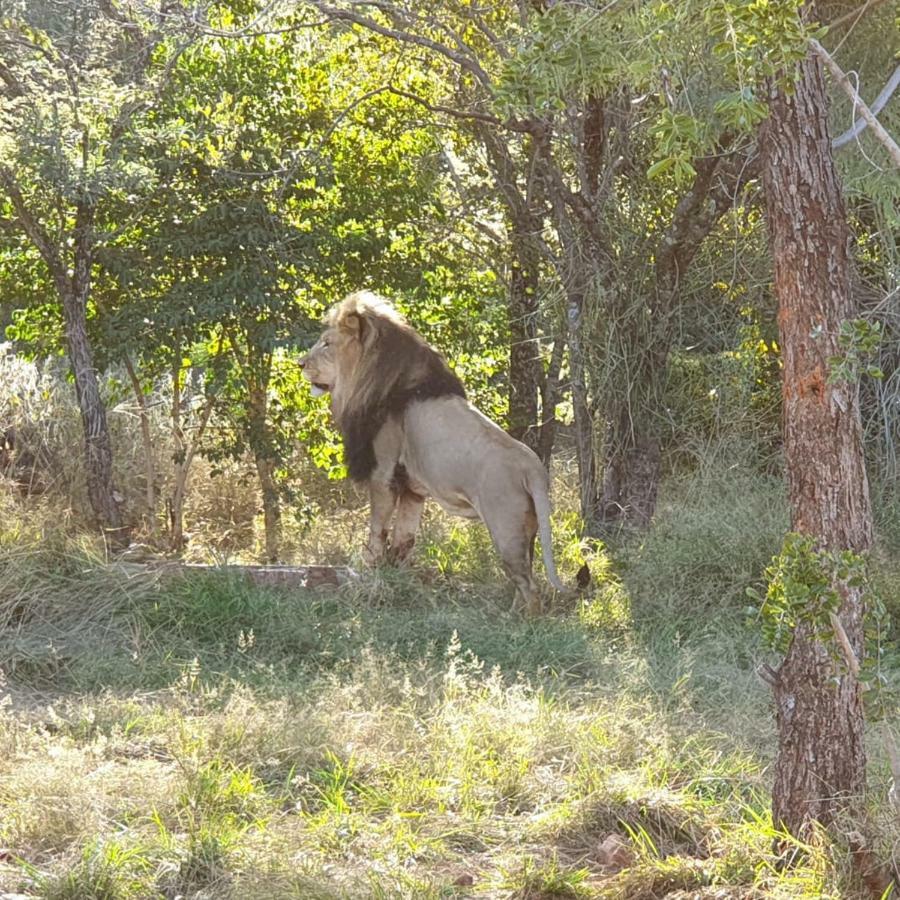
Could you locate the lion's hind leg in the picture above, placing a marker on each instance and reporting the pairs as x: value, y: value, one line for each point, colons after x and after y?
x: 513, y: 532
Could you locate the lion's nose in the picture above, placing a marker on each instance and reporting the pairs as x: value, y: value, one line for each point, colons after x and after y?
x: 302, y: 362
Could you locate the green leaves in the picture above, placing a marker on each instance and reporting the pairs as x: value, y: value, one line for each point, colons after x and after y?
x: 804, y: 589
x: 859, y: 341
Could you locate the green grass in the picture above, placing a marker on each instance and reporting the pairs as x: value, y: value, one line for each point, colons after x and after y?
x: 203, y: 738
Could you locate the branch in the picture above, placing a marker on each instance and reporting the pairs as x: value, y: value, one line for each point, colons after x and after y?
x: 855, y: 14
x: 865, y: 112
x: 35, y: 231
x: 859, y: 125
x: 845, y: 645
x: 463, y: 61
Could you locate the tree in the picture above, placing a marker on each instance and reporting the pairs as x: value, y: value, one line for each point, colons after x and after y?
x: 73, y: 76
x: 278, y: 192
x: 820, y: 766
x: 547, y: 91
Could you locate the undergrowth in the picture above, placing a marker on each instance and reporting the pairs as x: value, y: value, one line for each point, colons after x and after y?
x: 406, y: 735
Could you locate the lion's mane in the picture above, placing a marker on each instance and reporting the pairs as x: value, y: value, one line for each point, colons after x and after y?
x: 395, y: 367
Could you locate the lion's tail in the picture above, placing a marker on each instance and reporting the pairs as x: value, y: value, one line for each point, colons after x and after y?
x: 538, y: 486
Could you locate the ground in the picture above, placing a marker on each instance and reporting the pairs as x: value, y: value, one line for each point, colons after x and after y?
x: 401, y: 736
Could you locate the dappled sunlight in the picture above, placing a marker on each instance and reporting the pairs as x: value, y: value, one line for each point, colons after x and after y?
x: 389, y: 733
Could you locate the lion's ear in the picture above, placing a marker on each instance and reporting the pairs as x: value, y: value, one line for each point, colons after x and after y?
x: 356, y: 326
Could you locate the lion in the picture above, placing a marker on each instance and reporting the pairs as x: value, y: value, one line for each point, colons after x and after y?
x: 410, y: 433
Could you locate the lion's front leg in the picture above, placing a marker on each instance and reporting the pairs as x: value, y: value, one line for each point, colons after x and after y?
x: 381, y: 507
x: 410, y: 506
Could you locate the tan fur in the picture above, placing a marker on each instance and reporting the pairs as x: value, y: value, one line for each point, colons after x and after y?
x: 430, y: 442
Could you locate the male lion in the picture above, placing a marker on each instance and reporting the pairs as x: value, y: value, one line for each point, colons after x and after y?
x: 410, y: 433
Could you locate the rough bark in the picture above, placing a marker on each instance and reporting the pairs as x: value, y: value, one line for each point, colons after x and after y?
x: 820, y: 763
x: 98, y: 448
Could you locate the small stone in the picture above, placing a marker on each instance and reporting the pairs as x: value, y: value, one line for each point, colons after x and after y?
x: 464, y: 880
x: 615, y: 853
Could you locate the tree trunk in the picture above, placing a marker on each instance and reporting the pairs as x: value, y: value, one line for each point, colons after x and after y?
x: 147, y: 438
x: 632, y: 466
x: 524, y: 355
x: 98, y: 449
x: 184, y: 455
x: 820, y: 764
x: 581, y: 413
x: 263, y: 456
x: 550, y: 396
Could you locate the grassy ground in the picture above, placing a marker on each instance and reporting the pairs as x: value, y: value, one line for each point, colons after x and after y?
x: 396, y: 738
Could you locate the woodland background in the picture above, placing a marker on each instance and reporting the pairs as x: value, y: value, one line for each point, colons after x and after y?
x: 567, y: 200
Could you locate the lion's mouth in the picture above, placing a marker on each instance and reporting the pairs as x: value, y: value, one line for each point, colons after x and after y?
x: 318, y: 388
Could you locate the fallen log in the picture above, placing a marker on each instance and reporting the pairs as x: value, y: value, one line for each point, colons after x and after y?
x: 267, y: 576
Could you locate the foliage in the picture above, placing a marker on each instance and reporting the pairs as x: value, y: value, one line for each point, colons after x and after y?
x: 804, y: 589
x: 859, y: 340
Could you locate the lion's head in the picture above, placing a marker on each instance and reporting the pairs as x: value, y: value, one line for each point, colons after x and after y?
x: 349, y: 327
x: 374, y: 365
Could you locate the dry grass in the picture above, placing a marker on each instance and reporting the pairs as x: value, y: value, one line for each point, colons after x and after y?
x: 204, y: 739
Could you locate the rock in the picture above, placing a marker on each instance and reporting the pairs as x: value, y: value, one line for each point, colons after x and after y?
x: 464, y: 880
x: 615, y: 853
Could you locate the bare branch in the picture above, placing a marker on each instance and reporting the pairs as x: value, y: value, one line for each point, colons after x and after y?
x: 876, y: 107
x: 842, y: 79
x: 464, y: 62
x: 855, y: 14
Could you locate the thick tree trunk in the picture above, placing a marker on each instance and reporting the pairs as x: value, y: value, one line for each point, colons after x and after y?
x: 820, y: 764
x: 98, y: 449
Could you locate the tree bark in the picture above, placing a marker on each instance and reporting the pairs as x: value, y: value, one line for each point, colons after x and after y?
x: 98, y: 448
x: 266, y: 464
x: 147, y: 438
x: 524, y: 356
x: 820, y: 763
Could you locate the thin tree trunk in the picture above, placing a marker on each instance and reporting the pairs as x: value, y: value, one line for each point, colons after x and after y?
x: 584, y: 425
x: 185, y: 452
x: 98, y: 449
x: 147, y: 438
x: 265, y: 470
x: 524, y: 357
x: 820, y: 764
x: 550, y: 395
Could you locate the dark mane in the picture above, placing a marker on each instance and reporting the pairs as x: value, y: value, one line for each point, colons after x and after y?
x: 399, y: 368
